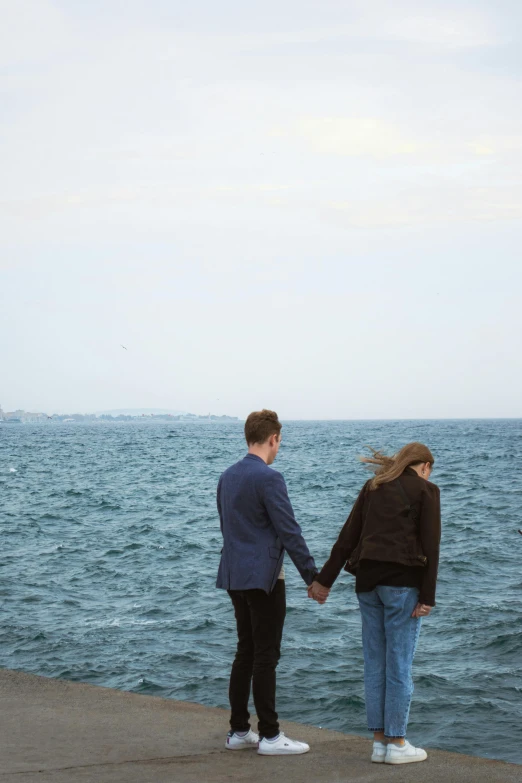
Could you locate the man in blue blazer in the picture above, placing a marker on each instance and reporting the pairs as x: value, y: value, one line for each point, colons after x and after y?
x: 258, y: 526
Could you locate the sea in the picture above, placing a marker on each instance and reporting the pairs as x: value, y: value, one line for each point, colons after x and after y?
x: 111, y: 543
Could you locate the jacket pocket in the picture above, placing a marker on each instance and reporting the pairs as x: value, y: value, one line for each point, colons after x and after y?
x: 275, y: 552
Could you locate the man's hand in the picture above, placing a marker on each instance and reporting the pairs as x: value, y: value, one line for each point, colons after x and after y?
x: 422, y: 610
x: 318, y: 592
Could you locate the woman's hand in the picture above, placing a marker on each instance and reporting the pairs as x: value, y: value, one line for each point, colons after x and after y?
x: 318, y: 592
x: 422, y: 610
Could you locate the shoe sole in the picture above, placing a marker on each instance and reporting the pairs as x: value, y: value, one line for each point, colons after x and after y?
x: 282, y: 752
x: 240, y: 747
x: 406, y: 761
x: 378, y: 760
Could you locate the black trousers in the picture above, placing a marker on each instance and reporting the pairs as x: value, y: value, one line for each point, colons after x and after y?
x: 260, y: 619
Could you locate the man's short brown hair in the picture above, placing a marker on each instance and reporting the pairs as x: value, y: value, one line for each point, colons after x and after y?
x: 260, y: 425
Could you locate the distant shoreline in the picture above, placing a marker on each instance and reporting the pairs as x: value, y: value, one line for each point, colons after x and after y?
x: 78, y: 418
x: 10, y: 419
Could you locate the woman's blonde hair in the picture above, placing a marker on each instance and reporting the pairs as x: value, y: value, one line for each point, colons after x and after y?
x: 389, y: 468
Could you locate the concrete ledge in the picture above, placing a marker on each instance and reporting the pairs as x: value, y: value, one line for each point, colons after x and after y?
x: 61, y: 732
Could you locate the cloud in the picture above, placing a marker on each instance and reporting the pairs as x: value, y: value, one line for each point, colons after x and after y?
x: 496, y: 145
x: 358, y: 136
x: 431, y: 207
x: 452, y: 31
x: 417, y: 23
x: 152, y: 196
x: 31, y: 31
x: 379, y: 140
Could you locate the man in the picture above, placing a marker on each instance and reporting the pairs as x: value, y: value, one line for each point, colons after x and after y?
x: 258, y: 525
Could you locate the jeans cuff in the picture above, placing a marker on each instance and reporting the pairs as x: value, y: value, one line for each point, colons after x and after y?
x: 393, y: 736
x: 379, y: 729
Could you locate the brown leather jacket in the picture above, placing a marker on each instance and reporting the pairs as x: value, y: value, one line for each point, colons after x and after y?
x: 382, y: 526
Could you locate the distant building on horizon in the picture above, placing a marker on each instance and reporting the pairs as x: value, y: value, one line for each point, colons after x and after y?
x: 28, y: 417
x: 19, y: 416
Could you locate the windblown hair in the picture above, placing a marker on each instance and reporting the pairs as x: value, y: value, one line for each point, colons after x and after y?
x: 389, y: 468
x: 260, y: 425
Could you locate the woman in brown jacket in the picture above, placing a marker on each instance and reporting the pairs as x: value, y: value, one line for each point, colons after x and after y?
x: 390, y: 542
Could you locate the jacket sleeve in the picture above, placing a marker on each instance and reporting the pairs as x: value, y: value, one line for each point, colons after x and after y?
x: 429, y: 534
x: 346, y: 542
x: 218, y: 500
x: 281, y: 513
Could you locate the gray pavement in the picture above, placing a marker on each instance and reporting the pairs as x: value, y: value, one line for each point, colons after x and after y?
x: 53, y: 731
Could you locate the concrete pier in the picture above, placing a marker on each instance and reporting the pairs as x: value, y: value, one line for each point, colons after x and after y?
x: 53, y: 731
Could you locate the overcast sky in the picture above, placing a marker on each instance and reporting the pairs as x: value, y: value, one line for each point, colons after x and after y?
x: 310, y: 206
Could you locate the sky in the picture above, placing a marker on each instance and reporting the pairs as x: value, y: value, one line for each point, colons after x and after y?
x: 314, y: 207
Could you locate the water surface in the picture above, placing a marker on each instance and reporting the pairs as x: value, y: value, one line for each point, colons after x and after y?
x: 110, y: 548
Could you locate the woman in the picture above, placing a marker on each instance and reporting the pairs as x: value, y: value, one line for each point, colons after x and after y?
x: 390, y: 542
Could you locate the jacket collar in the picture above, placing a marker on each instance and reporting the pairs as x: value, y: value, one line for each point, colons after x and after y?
x: 254, y: 456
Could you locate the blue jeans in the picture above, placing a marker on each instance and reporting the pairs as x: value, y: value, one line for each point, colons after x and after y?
x: 390, y: 636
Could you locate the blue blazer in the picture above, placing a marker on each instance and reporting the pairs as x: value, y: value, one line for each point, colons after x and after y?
x: 258, y: 525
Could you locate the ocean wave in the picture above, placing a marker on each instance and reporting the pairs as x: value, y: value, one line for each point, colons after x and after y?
x: 146, y: 685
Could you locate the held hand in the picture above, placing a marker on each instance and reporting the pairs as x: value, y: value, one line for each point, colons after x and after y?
x: 422, y: 610
x: 318, y: 592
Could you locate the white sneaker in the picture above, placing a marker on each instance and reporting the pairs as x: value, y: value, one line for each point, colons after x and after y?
x: 379, y: 752
x: 282, y: 746
x: 404, y: 754
x: 235, y: 742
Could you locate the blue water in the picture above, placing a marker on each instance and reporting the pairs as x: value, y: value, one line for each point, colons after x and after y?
x: 110, y: 547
